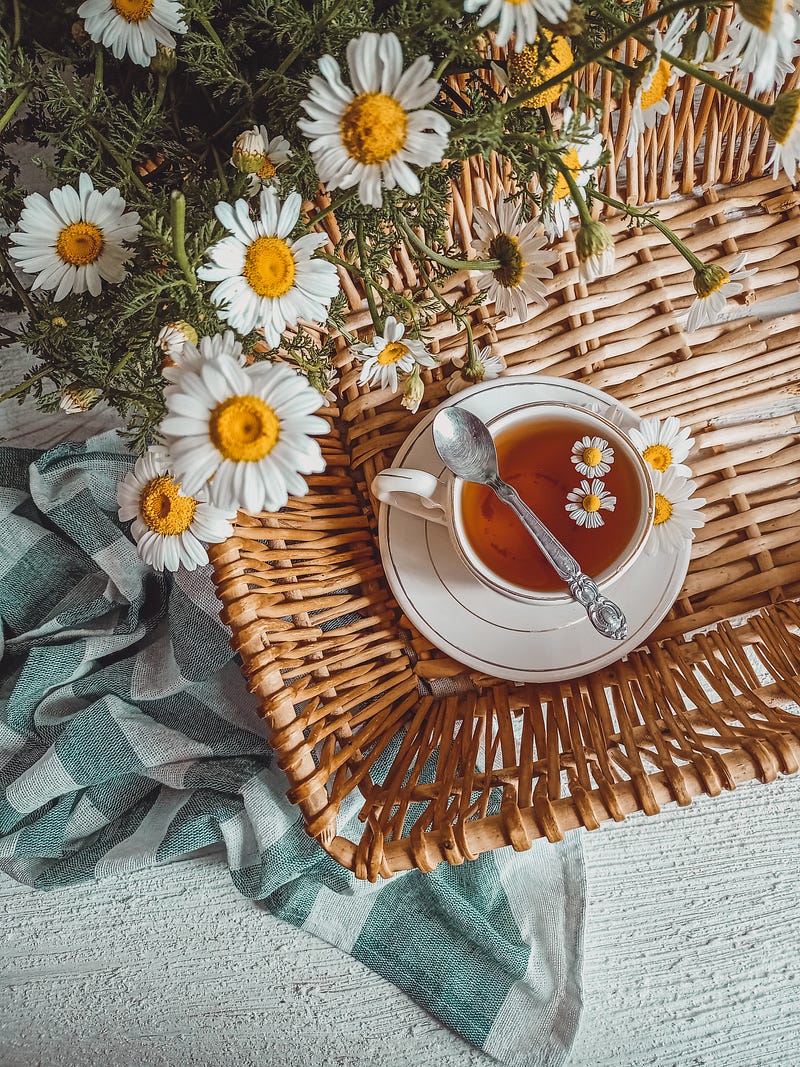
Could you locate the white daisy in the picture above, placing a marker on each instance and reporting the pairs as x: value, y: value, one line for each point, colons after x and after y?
x: 784, y: 125
x: 663, y: 445
x: 517, y: 17
x: 519, y: 280
x: 762, y: 43
x: 676, y: 515
x: 610, y: 412
x: 267, y: 280
x: 649, y: 98
x: 172, y: 337
x: 488, y: 367
x: 73, y: 241
x: 75, y: 400
x: 133, y: 26
x: 192, y: 357
x: 244, y: 431
x: 168, y: 526
x: 593, y: 457
x: 713, y: 285
x: 581, y: 149
x: 274, y: 152
x: 372, y: 136
x: 587, y: 501
x: 388, y: 355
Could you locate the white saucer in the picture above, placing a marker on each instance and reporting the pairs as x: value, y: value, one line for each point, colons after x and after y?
x: 483, y: 629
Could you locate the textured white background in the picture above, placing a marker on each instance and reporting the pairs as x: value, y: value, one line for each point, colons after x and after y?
x: 692, y: 942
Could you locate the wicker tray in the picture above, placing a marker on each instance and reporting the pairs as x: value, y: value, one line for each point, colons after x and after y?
x: 449, y: 763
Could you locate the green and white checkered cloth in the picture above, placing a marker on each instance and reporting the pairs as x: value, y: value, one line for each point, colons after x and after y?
x: 127, y: 738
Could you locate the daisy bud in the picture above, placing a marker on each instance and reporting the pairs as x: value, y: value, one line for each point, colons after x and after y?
x: 413, y: 393
x: 59, y: 321
x: 75, y: 400
x: 249, y: 153
x: 164, y: 61
x: 709, y: 279
x: 595, y: 247
x: 785, y: 113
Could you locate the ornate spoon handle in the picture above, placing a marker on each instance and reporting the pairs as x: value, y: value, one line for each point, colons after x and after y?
x: 606, y: 616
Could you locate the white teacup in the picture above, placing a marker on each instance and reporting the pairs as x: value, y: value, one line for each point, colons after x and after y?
x: 440, y: 500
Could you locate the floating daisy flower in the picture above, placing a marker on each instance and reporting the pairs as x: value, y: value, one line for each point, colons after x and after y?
x: 172, y: 337
x: 663, y: 445
x: 784, y: 125
x: 587, y: 501
x: 537, y: 63
x: 581, y: 150
x: 592, y: 456
x: 524, y: 266
x: 676, y: 512
x: 372, y: 136
x: 517, y: 17
x: 390, y: 354
x: 762, y: 44
x: 191, y: 357
x: 488, y: 367
x: 713, y: 285
x: 244, y: 431
x: 267, y: 280
x: 134, y: 27
x: 169, y: 527
x: 649, y: 97
x: 73, y: 240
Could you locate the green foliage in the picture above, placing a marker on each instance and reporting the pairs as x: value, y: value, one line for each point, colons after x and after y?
x: 242, y: 62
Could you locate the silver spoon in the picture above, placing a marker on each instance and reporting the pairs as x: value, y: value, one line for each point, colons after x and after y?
x: 467, y: 448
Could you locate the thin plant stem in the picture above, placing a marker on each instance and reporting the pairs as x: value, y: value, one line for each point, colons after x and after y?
x: 98, y: 69
x: 335, y: 203
x: 177, y: 217
x: 14, y: 106
x: 17, y: 24
x: 367, y: 278
x: 219, y: 168
x: 122, y: 163
x: 12, y: 280
x: 647, y: 216
x: 212, y: 33
x: 437, y: 257
x: 160, y: 91
x: 24, y: 385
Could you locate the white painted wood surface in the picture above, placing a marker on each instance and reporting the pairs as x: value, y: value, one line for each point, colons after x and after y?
x: 691, y: 947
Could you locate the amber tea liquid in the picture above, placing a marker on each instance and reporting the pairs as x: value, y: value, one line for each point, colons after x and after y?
x: 536, y: 458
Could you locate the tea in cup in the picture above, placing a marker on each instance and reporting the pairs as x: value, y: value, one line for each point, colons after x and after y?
x: 602, y: 516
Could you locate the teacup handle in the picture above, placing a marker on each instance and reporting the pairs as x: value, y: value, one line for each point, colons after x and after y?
x: 416, y: 492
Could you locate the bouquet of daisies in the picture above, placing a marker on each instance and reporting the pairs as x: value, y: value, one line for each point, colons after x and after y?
x: 224, y: 177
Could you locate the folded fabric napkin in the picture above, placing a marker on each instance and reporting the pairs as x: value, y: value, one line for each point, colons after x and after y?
x: 128, y: 738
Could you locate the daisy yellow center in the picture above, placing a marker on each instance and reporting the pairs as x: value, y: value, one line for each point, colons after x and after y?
x: 267, y: 170
x: 506, y: 248
x: 709, y: 279
x: 80, y: 243
x: 591, y: 502
x: 269, y: 267
x: 133, y: 10
x: 658, y: 86
x: 758, y: 12
x: 374, y: 127
x: 392, y: 353
x: 526, y: 70
x: 658, y: 456
x: 573, y: 165
x: 592, y: 457
x: 163, y: 509
x: 663, y: 509
x: 244, y: 429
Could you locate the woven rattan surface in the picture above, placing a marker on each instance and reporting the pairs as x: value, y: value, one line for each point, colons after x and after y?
x: 446, y: 763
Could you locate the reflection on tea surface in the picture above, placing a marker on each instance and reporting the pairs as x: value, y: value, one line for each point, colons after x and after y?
x: 535, y: 457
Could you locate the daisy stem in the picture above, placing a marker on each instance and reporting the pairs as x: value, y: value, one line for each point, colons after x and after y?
x: 566, y: 174
x: 177, y: 218
x: 654, y: 220
x: 122, y: 163
x: 219, y: 168
x: 335, y: 203
x: 98, y: 69
x: 212, y: 33
x: 26, y: 383
x: 761, y: 108
x: 17, y: 24
x: 13, y: 281
x: 367, y: 279
x: 437, y: 257
x: 160, y: 91
x: 15, y: 104
x: 472, y: 363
